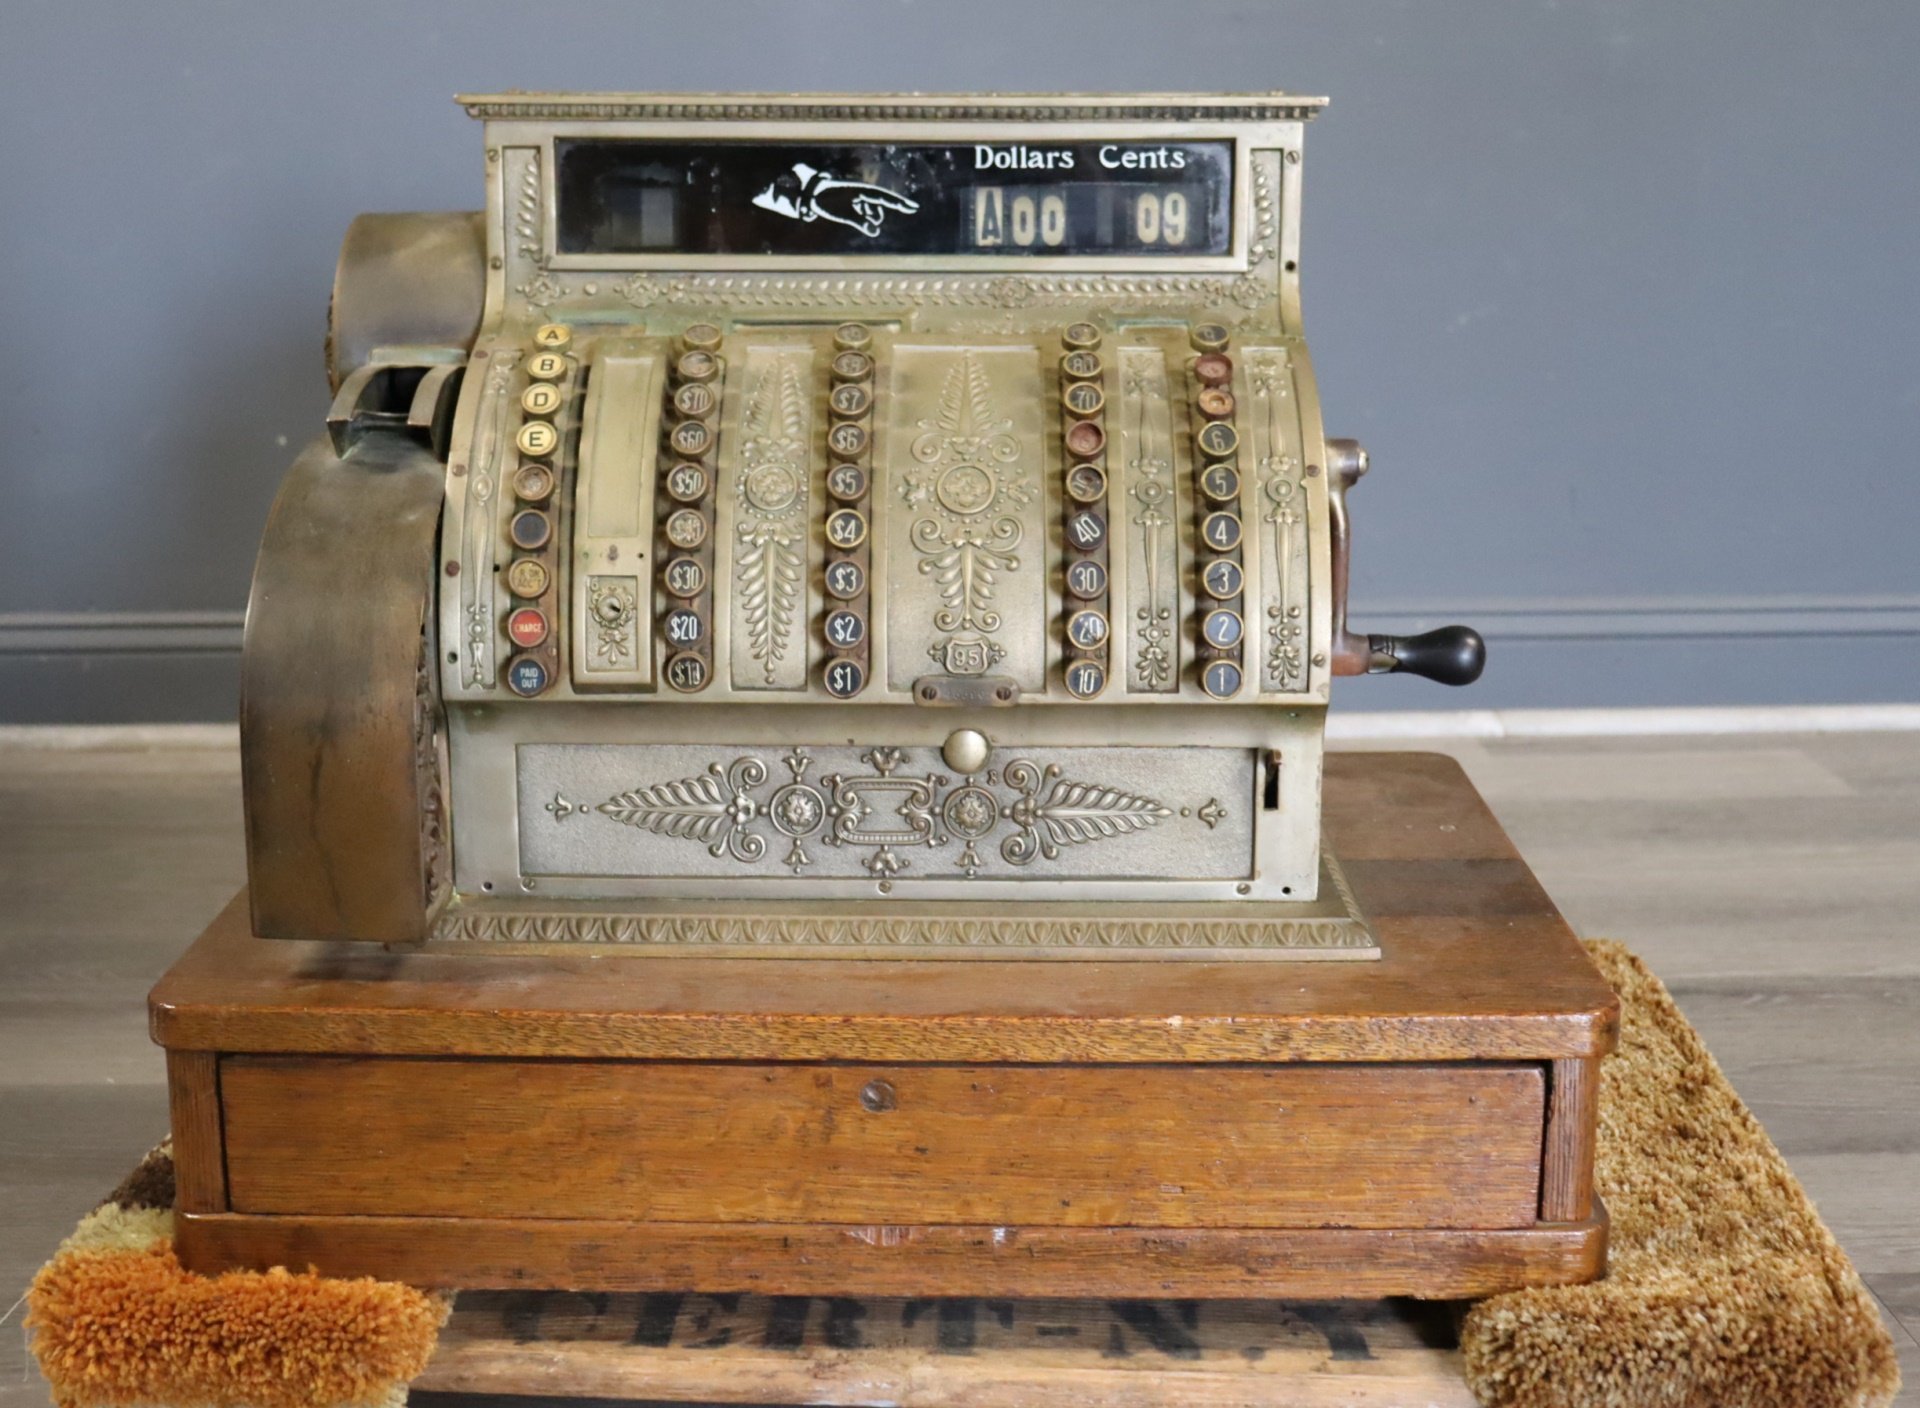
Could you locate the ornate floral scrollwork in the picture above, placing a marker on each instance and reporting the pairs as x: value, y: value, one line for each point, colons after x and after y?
x: 1149, y: 467
x: 526, y: 209
x: 1285, y: 517
x: 612, y: 605
x: 1071, y: 814
x: 771, y: 490
x: 699, y: 808
x: 885, y: 811
x: 967, y: 471
x: 478, y: 530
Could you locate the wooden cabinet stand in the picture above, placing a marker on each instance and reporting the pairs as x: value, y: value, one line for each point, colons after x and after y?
x: 589, y: 1119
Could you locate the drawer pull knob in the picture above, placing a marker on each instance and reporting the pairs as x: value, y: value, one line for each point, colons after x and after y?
x: 878, y: 1095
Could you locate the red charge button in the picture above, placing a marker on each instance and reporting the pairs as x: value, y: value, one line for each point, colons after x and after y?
x: 527, y: 627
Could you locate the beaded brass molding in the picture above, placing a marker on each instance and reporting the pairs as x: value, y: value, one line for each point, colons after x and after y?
x: 889, y: 107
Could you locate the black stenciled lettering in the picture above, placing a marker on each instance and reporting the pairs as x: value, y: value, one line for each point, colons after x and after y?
x: 1170, y: 1336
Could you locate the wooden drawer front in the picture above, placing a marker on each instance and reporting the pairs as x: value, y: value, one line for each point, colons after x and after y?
x: 1172, y: 1146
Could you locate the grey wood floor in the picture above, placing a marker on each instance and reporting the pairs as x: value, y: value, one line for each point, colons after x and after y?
x: 1773, y: 882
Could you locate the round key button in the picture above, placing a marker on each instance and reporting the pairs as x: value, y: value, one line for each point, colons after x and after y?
x: 1213, y: 369
x: 1208, y: 337
x: 691, y: 438
x: 527, y: 627
x: 1086, y: 530
x: 697, y: 365
x: 1079, y: 335
x: 1086, y: 483
x: 541, y: 398
x: 1222, y: 579
x: 856, y: 337
x: 847, y: 482
x: 526, y: 676
x: 533, y: 482
x: 530, y: 529
x: 1085, y: 439
x: 1215, y: 402
x: 1221, y: 532
x: 1087, y: 629
x: 684, y: 577
x: 846, y: 528
x: 687, y: 672
x: 852, y: 366
x: 846, y: 579
x: 686, y: 482
x: 1086, y: 678
x: 848, y: 440
x: 846, y: 629
x: 528, y: 577
x: 537, y: 438
x: 843, y: 678
x: 850, y: 400
x: 686, y: 528
x: 683, y: 627
x: 701, y: 337
x: 695, y: 399
x: 1218, y: 440
x: 1086, y: 579
x: 552, y: 335
x: 1081, y: 365
x: 1221, y: 679
x: 1083, y: 398
x: 1222, y: 629
x: 546, y: 366
x: 1220, y: 482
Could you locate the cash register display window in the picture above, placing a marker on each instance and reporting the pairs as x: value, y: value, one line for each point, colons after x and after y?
x: 1138, y: 199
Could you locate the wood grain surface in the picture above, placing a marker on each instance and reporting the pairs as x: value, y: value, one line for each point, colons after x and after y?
x: 1076, y: 1146
x: 820, y: 1259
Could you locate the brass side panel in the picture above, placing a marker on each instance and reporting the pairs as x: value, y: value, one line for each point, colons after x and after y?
x: 767, y: 507
x: 1146, y: 481
x: 409, y: 279
x: 339, y: 722
x: 488, y: 463
x: 961, y: 487
x: 1279, y: 638
x: 611, y: 631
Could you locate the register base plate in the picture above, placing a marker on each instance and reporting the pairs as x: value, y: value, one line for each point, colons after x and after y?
x: 1329, y: 927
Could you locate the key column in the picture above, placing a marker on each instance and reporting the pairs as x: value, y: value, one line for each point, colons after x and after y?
x: 685, y: 504
x: 1084, y: 503
x: 532, y: 576
x: 1222, y: 571
x: 849, y: 513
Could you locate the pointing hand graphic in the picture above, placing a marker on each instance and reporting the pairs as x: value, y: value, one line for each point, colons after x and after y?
x: 807, y: 194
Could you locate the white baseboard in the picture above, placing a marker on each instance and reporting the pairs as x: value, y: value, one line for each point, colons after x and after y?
x: 1343, y: 726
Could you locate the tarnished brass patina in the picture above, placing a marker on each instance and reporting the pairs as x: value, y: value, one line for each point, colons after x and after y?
x: 826, y: 525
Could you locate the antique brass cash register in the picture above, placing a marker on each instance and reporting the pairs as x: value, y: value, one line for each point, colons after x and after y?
x: 880, y: 529
x: 906, y: 524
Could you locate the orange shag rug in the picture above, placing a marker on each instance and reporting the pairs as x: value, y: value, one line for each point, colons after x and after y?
x: 1724, y: 1289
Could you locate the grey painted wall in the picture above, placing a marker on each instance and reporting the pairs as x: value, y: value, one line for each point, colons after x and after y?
x: 1622, y: 297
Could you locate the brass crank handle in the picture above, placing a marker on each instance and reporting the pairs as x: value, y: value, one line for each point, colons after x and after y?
x: 1452, y: 655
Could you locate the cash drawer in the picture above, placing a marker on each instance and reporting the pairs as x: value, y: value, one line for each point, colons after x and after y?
x: 1454, y: 1145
